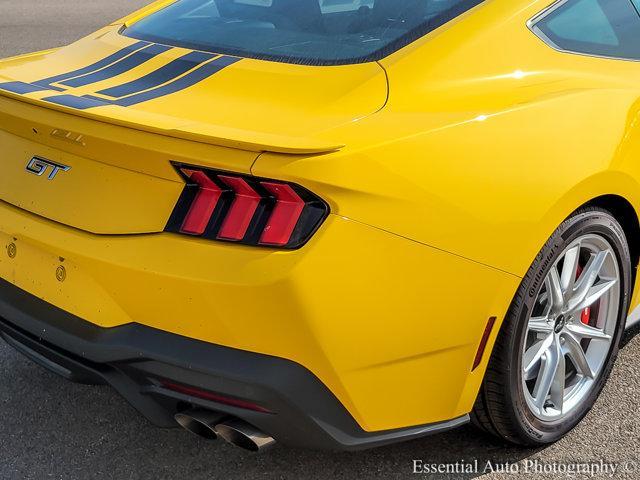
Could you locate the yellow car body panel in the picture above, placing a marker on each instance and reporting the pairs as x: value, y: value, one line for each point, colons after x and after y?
x: 446, y: 166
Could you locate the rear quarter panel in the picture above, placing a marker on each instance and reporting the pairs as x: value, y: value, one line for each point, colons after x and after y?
x: 489, y: 140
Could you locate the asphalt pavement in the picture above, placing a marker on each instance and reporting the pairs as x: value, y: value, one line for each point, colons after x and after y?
x: 50, y: 428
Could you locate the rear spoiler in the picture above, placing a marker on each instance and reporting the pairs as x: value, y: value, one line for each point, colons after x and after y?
x: 198, y: 132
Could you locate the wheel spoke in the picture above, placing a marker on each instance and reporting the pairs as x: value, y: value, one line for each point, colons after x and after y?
x: 555, y: 290
x: 581, y: 331
x: 546, y: 375
x: 557, y: 386
x: 543, y: 299
x: 540, y: 325
x: 578, y: 356
x: 570, y: 269
x: 593, y: 295
x: 587, y: 280
x: 533, y: 355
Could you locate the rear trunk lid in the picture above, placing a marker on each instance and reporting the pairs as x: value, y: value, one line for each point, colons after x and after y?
x: 112, y: 113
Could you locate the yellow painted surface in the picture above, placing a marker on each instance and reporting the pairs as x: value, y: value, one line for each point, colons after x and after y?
x: 447, y: 166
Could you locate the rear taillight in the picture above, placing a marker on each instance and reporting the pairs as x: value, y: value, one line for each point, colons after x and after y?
x: 244, y: 209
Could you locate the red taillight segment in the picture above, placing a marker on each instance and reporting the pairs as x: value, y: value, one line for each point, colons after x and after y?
x: 285, y: 216
x: 242, y: 210
x: 207, y: 197
x: 245, y: 209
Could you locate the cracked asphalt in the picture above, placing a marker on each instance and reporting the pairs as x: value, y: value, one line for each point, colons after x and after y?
x: 50, y: 428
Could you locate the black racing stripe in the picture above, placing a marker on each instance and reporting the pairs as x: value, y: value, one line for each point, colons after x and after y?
x: 120, y: 54
x: 192, y: 78
x: 79, y: 103
x: 21, y: 87
x: 202, y: 73
x: 169, y: 72
x: 118, y: 68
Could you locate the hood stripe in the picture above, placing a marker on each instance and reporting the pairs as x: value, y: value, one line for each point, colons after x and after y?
x: 118, y: 68
x: 161, y: 76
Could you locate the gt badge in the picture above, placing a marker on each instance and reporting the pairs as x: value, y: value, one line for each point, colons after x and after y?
x: 40, y: 166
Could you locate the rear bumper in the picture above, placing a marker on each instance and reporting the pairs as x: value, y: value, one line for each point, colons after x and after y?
x: 368, y: 313
x: 135, y: 360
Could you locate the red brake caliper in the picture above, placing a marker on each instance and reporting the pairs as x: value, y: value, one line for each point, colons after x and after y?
x: 585, y: 316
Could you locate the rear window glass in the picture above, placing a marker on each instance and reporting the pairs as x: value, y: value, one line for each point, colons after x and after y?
x: 316, y: 32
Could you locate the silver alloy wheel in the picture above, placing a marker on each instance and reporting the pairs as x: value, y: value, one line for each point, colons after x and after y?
x: 570, y: 328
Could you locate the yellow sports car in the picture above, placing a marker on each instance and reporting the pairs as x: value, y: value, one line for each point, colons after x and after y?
x: 329, y: 223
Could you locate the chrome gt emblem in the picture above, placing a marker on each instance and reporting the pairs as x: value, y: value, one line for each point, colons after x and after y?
x: 39, y: 166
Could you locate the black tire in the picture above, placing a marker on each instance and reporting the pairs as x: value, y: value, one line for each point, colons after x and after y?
x: 501, y: 407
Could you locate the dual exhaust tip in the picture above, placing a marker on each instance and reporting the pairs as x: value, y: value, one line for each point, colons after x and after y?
x: 211, y: 426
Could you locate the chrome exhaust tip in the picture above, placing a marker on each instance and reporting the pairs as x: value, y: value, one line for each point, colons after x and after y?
x: 200, y: 422
x: 243, y: 435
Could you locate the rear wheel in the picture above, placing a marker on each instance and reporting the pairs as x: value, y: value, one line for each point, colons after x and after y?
x: 560, y: 338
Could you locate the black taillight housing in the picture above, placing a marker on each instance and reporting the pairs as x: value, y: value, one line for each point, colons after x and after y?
x: 244, y: 209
